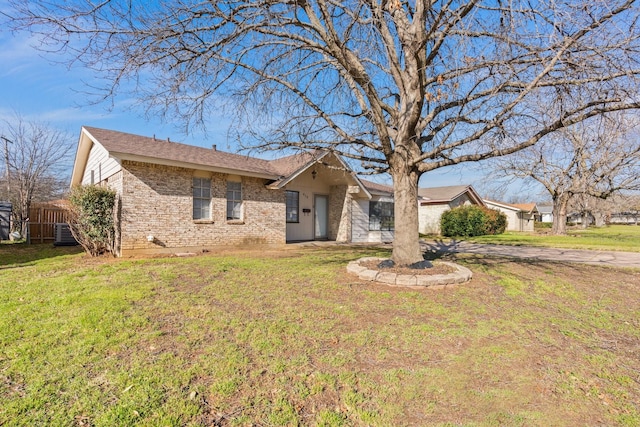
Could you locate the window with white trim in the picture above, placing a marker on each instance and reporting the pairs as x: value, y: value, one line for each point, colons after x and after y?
x: 201, y: 198
x: 234, y: 200
x: 293, y: 204
x: 381, y: 216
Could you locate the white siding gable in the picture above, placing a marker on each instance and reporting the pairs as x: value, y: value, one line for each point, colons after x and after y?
x: 99, y: 166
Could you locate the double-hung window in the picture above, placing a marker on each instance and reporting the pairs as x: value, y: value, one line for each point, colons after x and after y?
x: 201, y: 198
x: 293, y: 203
x: 381, y: 216
x: 234, y: 200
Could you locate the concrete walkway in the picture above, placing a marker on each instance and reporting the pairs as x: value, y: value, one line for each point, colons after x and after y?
x: 609, y: 258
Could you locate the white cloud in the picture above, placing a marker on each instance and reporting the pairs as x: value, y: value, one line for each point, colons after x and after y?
x: 18, y: 49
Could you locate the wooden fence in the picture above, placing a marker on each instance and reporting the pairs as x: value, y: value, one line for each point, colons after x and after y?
x: 42, y: 222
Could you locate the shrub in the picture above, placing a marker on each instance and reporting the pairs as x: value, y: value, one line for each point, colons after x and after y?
x: 496, y: 221
x: 542, y: 225
x: 92, y: 218
x: 472, y: 220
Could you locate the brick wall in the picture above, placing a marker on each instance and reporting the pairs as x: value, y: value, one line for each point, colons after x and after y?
x: 157, y: 201
x: 340, y: 213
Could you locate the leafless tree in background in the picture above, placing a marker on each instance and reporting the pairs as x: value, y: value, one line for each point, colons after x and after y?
x: 38, y: 165
x: 403, y: 87
x: 595, y: 159
x: 621, y: 208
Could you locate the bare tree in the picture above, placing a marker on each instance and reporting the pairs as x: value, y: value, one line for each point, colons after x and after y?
x: 403, y: 87
x: 591, y: 160
x: 37, y: 162
x: 621, y: 207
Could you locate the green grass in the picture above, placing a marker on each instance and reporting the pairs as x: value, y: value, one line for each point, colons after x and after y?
x: 614, y: 238
x: 248, y: 338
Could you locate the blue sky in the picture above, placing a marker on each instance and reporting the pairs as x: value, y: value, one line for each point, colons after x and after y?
x: 41, y: 90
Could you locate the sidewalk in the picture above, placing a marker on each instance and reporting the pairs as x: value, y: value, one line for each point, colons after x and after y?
x: 608, y: 258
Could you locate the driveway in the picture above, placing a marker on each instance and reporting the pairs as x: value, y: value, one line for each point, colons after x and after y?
x: 610, y: 258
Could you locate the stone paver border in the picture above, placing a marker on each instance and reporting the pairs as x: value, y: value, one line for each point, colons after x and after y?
x: 419, y: 281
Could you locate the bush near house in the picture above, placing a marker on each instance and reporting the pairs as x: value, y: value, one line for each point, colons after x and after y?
x: 468, y: 221
x: 92, y: 218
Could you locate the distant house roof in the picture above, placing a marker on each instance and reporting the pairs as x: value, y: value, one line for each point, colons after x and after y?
x: 516, y: 207
x: 440, y: 195
x: 527, y: 207
x: 545, y: 209
x: 426, y: 196
x: 492, y: 203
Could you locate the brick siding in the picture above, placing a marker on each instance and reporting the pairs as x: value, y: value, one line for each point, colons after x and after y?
x: 156, y: 201
x: 340, y: 213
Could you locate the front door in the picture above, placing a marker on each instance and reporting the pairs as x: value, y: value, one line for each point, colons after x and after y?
x: 321, y: 216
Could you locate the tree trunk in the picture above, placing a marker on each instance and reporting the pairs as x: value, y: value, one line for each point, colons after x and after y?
x: 406, y: 240
x: 599, y: 219
x: 560, y: 215
x: 586, y: 219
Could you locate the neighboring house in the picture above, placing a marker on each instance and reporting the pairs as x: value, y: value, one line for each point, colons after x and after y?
x: 432, y: 202
x: 173, y: 195
x: 520, y: 216
x: 576, y: 218
x: 545, y: 213
x: 623, y: 218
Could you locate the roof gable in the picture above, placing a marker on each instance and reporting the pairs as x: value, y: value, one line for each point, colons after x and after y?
x: 493, y: 203
x: 441, y: 195
x: 527, y: 207
x: 518, y: 207
x: 290, y: 167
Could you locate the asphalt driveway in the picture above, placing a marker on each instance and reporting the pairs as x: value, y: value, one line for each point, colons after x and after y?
x: 610, y: 258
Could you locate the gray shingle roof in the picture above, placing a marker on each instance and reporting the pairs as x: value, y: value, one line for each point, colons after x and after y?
x: 442, y: 194
x: 286, y: 166
x: 377, y: 188
x: 148, y: 147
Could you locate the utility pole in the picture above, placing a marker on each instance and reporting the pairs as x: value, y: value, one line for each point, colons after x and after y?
x: 6, y: 158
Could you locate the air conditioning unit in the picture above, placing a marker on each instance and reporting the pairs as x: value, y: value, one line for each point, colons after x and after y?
x: 63, y: 236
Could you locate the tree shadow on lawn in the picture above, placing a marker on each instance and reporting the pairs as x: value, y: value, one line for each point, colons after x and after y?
x: 21, y: 254
x: 524, y: 267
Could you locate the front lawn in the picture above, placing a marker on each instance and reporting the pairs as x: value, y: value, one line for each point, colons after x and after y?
x: 288, y: 338
x: 612, y: 238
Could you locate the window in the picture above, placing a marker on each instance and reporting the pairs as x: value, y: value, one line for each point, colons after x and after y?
x: 234, y: 200
x: 293, y: 198
x: 201, y: 198
x: 381, y: 216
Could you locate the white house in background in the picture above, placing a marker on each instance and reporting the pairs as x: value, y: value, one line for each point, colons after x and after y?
x: 545, y: 213
x: 520, y: 217
x: 432, y: 202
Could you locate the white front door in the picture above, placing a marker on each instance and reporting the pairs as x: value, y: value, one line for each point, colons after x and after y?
x: 321, y: 204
